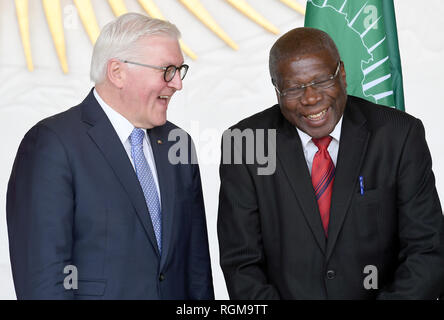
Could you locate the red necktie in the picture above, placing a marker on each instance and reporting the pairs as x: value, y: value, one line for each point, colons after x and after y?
x: 322, y: 176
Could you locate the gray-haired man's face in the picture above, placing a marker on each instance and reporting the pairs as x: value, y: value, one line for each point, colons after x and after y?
x: 145, y: 92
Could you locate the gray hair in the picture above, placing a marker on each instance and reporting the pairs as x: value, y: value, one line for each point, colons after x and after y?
x: 118, y: 39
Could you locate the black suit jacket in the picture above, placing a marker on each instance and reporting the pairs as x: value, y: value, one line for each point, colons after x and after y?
x: 272, y: 243
x: 74, y: 199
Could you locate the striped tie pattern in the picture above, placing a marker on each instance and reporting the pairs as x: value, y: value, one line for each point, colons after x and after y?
x: 322, y: 177
x: 147, y: 183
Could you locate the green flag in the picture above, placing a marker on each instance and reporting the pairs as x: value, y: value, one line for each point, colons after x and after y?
x: 365, y: 34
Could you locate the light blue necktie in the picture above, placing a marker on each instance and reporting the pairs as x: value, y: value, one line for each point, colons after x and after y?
x: 147, y: 183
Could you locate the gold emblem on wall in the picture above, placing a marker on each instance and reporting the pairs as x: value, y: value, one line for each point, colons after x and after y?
x: 53, y: 13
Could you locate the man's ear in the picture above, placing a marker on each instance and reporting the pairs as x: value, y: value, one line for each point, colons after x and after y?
x: 116, y: 73
x: 342, y: 74
x: 273, y: 82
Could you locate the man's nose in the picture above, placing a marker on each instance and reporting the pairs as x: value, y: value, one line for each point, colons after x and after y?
x: 311, y: 96
x: 176, y: 82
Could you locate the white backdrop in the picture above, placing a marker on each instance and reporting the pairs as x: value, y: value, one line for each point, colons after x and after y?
x: 222, y: 87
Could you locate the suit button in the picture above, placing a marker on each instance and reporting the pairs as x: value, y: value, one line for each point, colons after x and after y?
x: 331, y: 274
x: 161, y: 277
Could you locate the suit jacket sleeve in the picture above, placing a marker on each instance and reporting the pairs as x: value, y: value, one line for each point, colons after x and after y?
x: 40, y: 204
x: 239, y: 229
x: 201, y: 284
x: 420, y: 274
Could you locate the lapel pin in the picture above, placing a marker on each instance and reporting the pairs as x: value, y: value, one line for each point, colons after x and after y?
x: 159, y: 141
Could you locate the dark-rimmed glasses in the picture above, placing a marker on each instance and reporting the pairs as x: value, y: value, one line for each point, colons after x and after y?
x: 298, y: 91
x: 168, y: 72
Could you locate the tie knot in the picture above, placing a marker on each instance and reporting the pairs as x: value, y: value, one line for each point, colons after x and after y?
x: 322, y: 143
x: 136, y: 137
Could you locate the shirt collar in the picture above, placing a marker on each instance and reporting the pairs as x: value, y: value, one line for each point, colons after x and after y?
x: 335, y: 134
x: 121, y: 125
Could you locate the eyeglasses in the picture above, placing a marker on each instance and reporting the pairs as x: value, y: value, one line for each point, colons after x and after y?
x: 298, y: 91
x: 168, y: 72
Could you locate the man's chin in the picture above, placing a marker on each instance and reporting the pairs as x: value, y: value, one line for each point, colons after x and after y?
x: 159, y: 122
x: 151, y: 123
x: 319, y: 132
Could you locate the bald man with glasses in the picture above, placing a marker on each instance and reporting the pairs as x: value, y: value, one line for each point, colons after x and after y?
x: 351, y: 210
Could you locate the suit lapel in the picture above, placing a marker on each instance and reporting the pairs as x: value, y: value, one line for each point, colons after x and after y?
x: 292, y: 159
x: 106, y: 139
x: 352, y: 149
x: 165, y: 174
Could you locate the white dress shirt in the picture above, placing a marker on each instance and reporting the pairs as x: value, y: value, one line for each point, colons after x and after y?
x: 310, y: 148
x: 123, y: 129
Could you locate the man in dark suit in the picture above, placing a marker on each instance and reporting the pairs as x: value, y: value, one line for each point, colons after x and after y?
x: 350, y: 211
x: 94, y: 197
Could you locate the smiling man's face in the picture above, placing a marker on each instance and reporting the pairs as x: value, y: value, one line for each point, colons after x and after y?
x: 145, y: 93
x: 317, y: 110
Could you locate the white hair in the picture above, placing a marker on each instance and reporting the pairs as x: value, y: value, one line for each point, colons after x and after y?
x: 118, y: 39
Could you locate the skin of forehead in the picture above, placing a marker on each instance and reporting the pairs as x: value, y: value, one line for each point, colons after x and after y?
x: 300, y: 42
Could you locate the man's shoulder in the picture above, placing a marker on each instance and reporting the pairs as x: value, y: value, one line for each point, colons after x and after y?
x: 265, y: 119
x: 169, y: 126
x: 378, y: 115
x: 169, y: 129
x: 63, y: 120
x: 60, y: 124
x: 67, y: 125
x: 71, y: 119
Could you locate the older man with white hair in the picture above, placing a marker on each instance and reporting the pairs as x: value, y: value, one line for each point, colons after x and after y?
x: 95, y: 208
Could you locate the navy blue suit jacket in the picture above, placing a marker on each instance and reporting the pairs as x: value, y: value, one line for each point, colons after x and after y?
x: 74, y: 199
